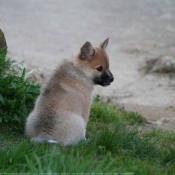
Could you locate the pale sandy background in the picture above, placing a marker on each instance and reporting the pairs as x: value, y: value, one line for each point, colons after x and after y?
x: 43, y: 32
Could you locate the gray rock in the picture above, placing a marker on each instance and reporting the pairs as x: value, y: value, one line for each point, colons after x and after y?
x: 163, y: 64
x: 38, y: 75
x: 2, y: 40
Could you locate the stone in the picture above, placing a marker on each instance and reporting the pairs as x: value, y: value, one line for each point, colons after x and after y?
x: 38, y: 75
x: 163, y: 64
x: 2, y: 40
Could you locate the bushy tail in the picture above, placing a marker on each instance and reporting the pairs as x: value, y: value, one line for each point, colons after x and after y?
x: 40, y: 139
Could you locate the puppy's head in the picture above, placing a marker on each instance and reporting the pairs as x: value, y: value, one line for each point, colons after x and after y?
x: 95, y: 63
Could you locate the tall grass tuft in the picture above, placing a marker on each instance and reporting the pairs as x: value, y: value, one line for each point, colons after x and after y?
x: 17, y: 94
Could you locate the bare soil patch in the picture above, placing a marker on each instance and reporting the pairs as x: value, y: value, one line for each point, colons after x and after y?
x: 43, y: 33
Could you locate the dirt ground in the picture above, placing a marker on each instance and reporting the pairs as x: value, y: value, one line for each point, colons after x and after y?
x: 42, y: 33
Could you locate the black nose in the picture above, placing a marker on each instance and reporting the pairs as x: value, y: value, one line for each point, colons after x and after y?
x: 111, y: 78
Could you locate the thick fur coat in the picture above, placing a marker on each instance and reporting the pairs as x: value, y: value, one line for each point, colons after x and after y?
x: 61, y: 111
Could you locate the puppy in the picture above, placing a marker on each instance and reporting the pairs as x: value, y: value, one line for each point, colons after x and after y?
x: 61, y: 111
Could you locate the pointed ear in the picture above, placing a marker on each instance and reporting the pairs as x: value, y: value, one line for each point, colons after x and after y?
x: 104, y: 44
x: 87, y: 51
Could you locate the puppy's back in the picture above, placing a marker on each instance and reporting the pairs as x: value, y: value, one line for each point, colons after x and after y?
x: 61, y: 111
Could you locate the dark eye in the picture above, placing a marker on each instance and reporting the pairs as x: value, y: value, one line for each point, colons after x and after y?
x: 100, y: 68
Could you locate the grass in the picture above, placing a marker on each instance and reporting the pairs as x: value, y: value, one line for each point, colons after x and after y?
x: 17, y: 94
x: 114, y: 145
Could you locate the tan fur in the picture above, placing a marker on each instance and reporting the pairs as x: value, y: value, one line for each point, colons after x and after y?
x: 61, y: 111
